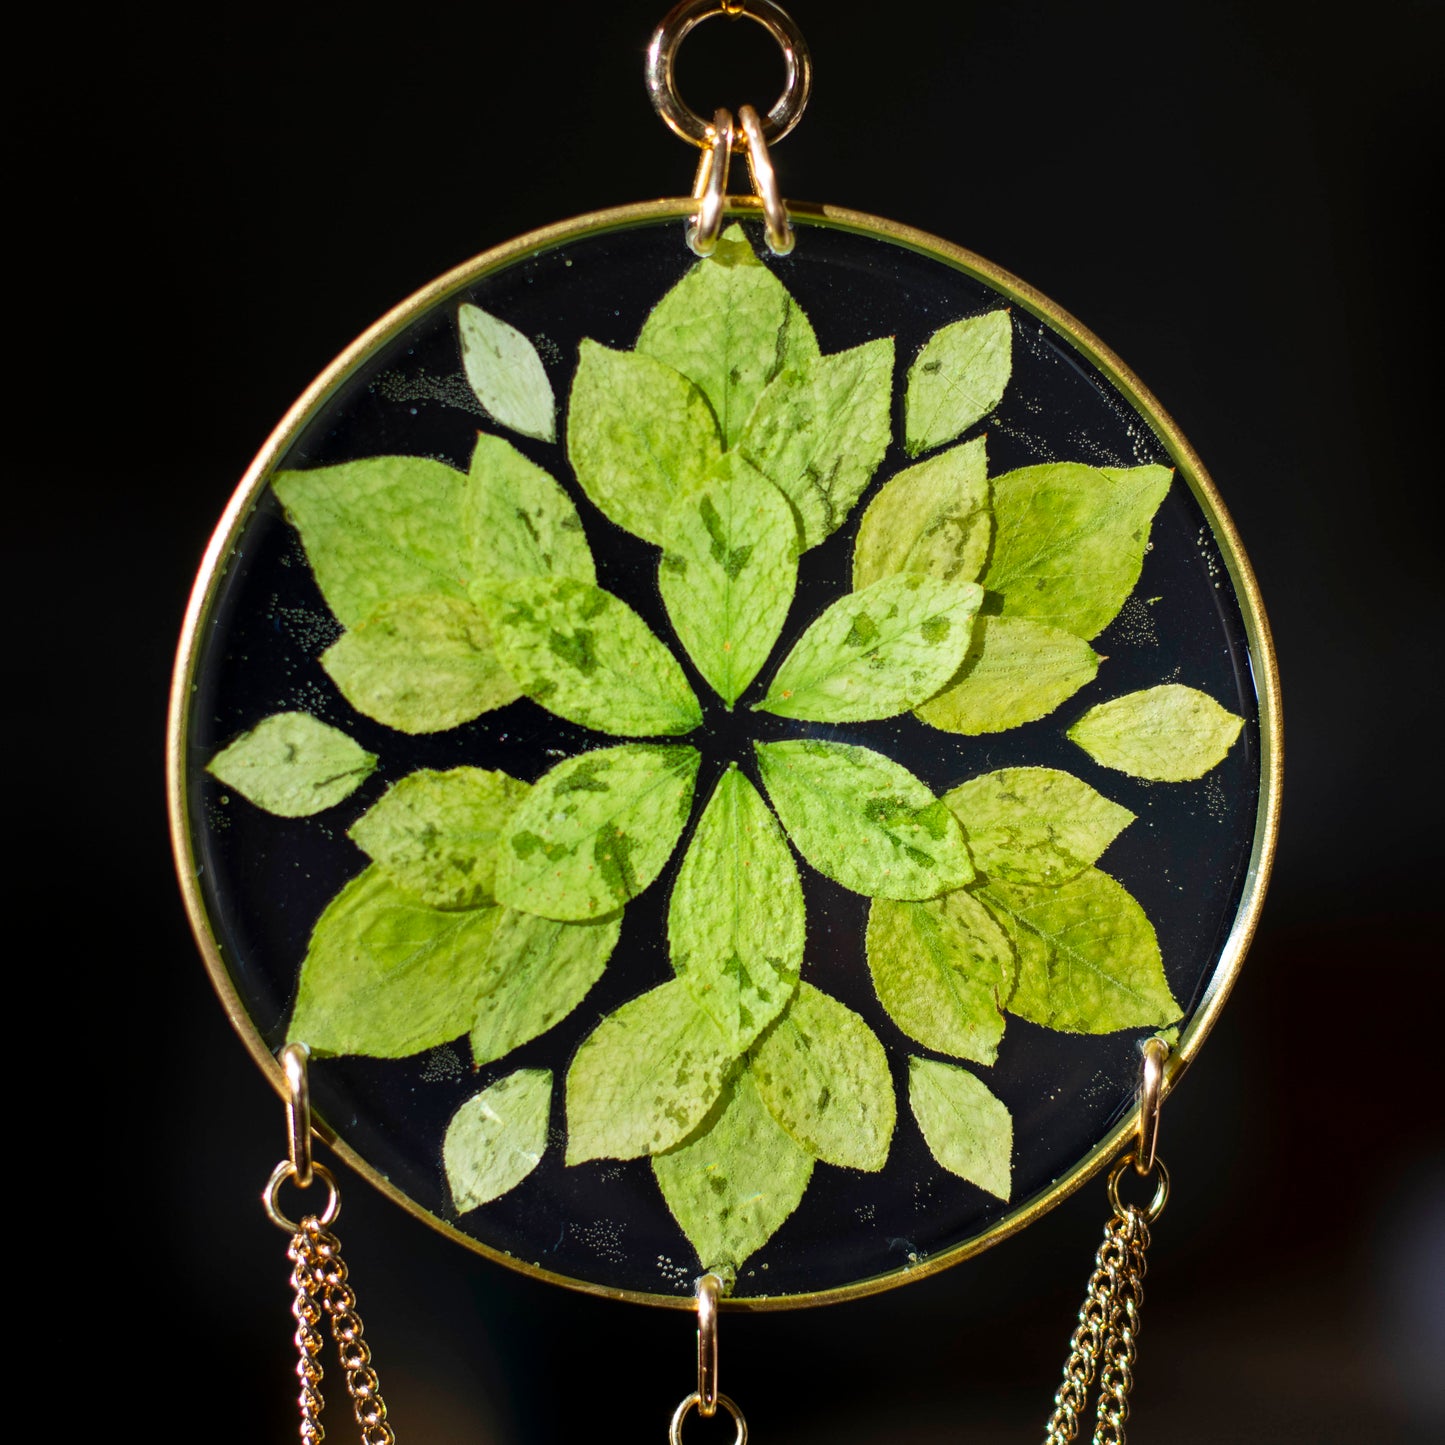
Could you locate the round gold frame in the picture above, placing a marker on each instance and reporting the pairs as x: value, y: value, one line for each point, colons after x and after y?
x: 1190, y: 467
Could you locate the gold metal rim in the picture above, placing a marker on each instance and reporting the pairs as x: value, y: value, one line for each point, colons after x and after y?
x: 1266, y: 677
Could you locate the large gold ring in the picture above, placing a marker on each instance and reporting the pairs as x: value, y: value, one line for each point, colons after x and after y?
x: 676, y: 25
x: 287, y: 1170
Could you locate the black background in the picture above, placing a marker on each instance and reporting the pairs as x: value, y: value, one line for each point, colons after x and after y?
x: 1239, y: 198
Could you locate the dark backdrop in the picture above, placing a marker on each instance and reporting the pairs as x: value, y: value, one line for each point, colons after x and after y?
x: 1238, y: 197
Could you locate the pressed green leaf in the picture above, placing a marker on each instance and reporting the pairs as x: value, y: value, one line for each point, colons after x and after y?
x: 864, y: 820
x: 878, y: 652
x: 646, y: 1077
x: 506, y: 373
x: 736, y: 926
x: 942, y: 970
x: 435, y: 834
x: 596, y: 830
x: 824, y: 1076
x: 1035, y: 825
x: 378, y: 530
x: 1015, y: 671
x: 497, y: 1138
x: 1069, y: 541
x: 386, y: 976
x: 726, y: 326
x: 729, y: 571
x: 1030, y: 996
x: 538, y: 971
x: 421, y: 665
x: 957, y: 378
x: 519, y: 522
x: 639, y: 435
x: 587, y: 656
x: 967, y: 1129
x: 1104, y: 968
x: 933, y: 517
x: 1171, y: 734
x: 819, y: 431
x: 731, y: 1187
x: 292, y: 765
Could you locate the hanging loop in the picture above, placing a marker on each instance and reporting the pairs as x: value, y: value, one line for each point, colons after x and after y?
x: 740, y: 1425
x: 286, y: 1170
x: 711, y: 186
x: 294, y: 1061
x: 679, y: 22
x: 709, y: 1288
x: 1155, y: 1207
x: 779, y: 228
x: 1151, y: 1096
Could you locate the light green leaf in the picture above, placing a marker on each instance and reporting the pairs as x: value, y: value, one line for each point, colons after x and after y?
x: 435, y: 834
x: 596, y: 830
x: 824, y: 1076
x: 646, y: 1077
x: 538, y: 971
x: 1069, y: 541
x: 736, y: 926
x: 942, y: 970
x: 819, y: 431
x: 1170, y: 734
x: 420, y: 665
x: 378, y: 530
x: 932, y: 518
x: 863, y: 820
x: 386, y: 976
x: 1030, y: 996
x: 639, y: 435
x: 1035, y: 825
x: 497, y: 1138
x: 507, y: 374
x: 958, y: 377
x: 726, y: 326
x: 967, y: 1129
x: 519, y: 522
x: 292, y: 765
x: 878, y: 652
x: 728, y: 574
x: 587, y: 656
x: 1104, y: 968
x: 731, y: 1187
x: 1015, y: 672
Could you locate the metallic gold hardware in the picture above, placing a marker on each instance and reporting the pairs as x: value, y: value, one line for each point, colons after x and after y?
x: 674, y: 1433
x: 709, y: 1287
x: 1151, y: 1096
x: 711, y: 186
x: 1155, y: 1207
x: 679, y: 22
x: 779, y: 228
x: 319, y: 1279
x: 294, y: 1059
x: 286, y: 1170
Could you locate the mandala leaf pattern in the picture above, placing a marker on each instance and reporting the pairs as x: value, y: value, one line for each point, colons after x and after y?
x: 967, y: 1130
x: 293, y: 765
x: 506, y: 374
x: 497, y: 1138
x: 957, y: 379
x: 1169, y: 734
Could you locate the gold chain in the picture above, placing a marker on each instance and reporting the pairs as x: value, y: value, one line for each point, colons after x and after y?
x: 318, y: 1276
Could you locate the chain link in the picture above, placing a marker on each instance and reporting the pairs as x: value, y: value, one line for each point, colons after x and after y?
x: 318, y: 1277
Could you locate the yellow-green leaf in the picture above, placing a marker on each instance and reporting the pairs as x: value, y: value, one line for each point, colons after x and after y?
x: 421, y: 665
x: 435, y: 833
x: 933, y: 517
x: 507, y: 375
x: 967, y: 1129
x: 596, y: 830
x: 729, y: 571
x: 646, y: 1077
x: 942, y: 970
x: 497, y: 1138
x: 731, y: 1186
x: 736, y: 926
x: 824, y: 1076
x: 958, y: 377
x: 878, y: 652
x: 293, y: 765
x: 1015, y: 672
x: 387, y: 976
x: 1170, y: 734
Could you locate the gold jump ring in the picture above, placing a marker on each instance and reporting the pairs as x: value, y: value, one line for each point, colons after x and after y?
x: 674, y: 1434
x: 711, y: 186
x: 287, y: 1170
x: 1155, y: 1207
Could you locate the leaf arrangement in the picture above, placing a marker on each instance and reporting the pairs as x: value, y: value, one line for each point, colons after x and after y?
x: 492, y: 905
